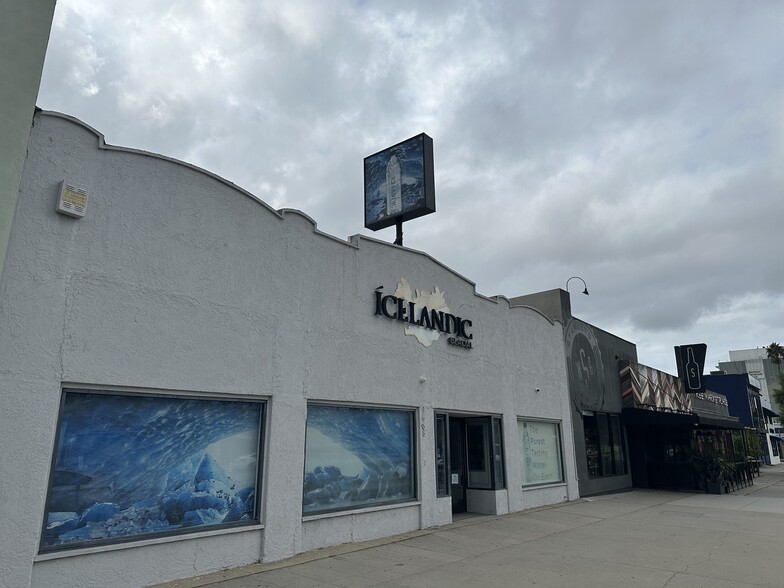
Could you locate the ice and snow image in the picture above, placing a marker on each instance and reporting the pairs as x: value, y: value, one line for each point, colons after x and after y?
x: 394, y: 189
x: 357, y: 457
x: 128, y: 465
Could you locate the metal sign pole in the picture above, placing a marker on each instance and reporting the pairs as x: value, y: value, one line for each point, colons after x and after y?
x: 399, y: 232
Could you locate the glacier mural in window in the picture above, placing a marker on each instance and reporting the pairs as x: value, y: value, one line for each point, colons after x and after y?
x: 357, y: 457
x: 130, y: 465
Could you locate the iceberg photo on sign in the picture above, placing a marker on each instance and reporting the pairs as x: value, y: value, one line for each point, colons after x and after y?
x: 394, y: 190
x: 357, y: 457
x: 129, y: 465
x: 399, y: 183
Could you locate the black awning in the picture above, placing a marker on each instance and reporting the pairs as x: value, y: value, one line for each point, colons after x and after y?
x: 719, y: 422
x: 639, y: 417
x: 768, y: 412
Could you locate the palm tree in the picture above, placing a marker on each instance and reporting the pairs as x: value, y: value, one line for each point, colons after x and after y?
x: 775, y: 352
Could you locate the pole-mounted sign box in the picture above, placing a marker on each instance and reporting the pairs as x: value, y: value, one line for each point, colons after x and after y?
x: 399, y: 183
x: 691, y: 364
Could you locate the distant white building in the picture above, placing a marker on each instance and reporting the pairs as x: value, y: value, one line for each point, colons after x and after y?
x: 755, y: 362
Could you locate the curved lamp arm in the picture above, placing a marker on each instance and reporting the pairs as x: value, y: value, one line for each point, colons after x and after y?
x: 577, y: 278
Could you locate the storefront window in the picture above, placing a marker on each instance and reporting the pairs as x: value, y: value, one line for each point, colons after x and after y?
x: 356, y: 456
x: 132, y: 465
x: 442, y: 473
x: 605, y: 443
x: 540, y: 452
x: 619, y: 463
x: 592, y: 446
x: 604, y: 447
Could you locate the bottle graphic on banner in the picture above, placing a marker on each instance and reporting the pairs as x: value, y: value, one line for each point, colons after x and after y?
x: 394, y: 188
x: 692, y: 371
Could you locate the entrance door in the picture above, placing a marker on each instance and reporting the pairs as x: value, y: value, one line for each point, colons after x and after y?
x: 457, y: 464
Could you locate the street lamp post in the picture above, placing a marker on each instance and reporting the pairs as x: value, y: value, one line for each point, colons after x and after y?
x: 577, y: 278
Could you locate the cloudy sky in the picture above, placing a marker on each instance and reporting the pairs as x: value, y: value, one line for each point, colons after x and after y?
x: 638, y: 145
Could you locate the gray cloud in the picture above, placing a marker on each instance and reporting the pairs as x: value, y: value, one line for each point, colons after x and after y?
x: 637, y: 145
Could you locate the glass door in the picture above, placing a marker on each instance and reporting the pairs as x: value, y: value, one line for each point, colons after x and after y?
x: 457, y: 464
x: 476, y: 456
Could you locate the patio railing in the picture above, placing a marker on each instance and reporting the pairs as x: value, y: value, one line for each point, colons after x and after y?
x: 739, y: 475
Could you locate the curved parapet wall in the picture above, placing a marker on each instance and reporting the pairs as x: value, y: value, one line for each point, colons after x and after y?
x: 354, y: 240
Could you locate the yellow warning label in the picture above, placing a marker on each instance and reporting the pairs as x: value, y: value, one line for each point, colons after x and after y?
x: 74, y: 198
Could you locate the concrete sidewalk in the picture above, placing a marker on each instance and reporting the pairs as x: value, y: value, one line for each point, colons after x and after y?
x: 642, y: 538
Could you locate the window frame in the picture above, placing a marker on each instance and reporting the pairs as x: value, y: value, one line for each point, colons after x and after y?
x: 444, y: 418
x: 413, y: 452
x: 499, y: 458
x: 618, y: 468
x: 560, y: 452
x: 184, y: 532
x: 484, y: 451
x: 489, y: 454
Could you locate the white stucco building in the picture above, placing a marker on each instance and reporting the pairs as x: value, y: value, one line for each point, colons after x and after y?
x: 24, y: 34
x: 194, y: 381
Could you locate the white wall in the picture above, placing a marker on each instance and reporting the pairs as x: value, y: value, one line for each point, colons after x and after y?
x: 178, y: 281
x: 24, y: 35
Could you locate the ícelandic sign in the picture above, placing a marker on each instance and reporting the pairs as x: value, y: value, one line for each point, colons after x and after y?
x: 424, y: 314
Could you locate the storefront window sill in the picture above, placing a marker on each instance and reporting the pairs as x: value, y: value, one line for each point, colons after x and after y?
x: 545, y: 485
x: 342, y: 513
x: 143, y: 542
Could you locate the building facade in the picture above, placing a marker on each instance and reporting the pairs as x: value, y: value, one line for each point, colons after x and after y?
x: 744, y: 395
x: 593, y: 358
x: 674, y: 434
x: 195, y: 381
x: 755, y: 362
x: 24, y: 34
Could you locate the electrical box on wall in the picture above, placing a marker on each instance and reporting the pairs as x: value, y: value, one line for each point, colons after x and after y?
x: 72, y: 200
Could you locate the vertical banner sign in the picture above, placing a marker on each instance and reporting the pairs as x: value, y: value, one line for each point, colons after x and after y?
x: 691, y: 364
